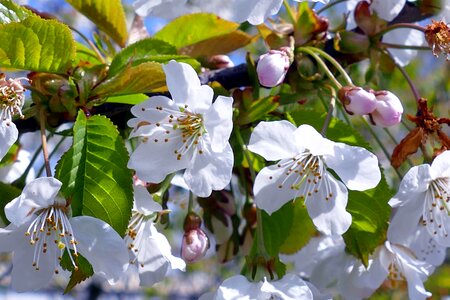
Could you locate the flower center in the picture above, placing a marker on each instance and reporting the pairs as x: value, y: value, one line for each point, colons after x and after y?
x: 437, y: 35
x: 437, y: 206
x: 182, y: 127
x: 304, y: 173
x: 12, y: 97
x: 51, y: 228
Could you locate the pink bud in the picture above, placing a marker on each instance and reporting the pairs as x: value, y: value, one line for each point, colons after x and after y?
x: 272, y: 67
x: 388, y: 110
x: 195, y: 244
x: 357, y: 100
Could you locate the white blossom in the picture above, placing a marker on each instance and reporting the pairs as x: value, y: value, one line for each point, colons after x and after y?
x: 302, y: 172
x: 41, y: 230
x: 150, y: 251
x: 185, y: 132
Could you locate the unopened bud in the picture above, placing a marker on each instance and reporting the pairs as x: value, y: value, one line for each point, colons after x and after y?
x: 388, y: 110
x: 272, y: 67
x: 357, y: 100
x: 194, y: 246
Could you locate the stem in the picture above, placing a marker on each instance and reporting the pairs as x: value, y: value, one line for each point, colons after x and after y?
x: 91, y: 44
x: 380, y: 143
x: 331, y: 108
x: 289, y: 12
x: 330, y: 4
x: 334, y: 62
x: 260, y: 234
x: 322, y: 65
x: 191, y: 202
x: 52, y: 154
x: 396, y: 46
x: 48, y: 170
x: 245, y: 151
x: 398, y: 25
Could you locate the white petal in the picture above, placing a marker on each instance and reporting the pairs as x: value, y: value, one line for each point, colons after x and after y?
x: 144, y: 7
x: 153, y: 161
x: 101, y: 246
x: 307, y: 137
x: 39, y: 193
x: 329, y: 216
x: 238, y: 288
x: 155, y: 257
x: 406, y: 219
x: 143, y: 201
x: 441, y: 166
x: 290, y: 287
x: 268, y: 194
x: 25, y: 277
x: 274, y: 140
x: 378, y: 268
x: 209, y: 171
x: 415, y: 181
x: 185, y: 88
x: 426, y: 248
x: 10, y: 236
x: 218, y: 122
x: 416, y: 289
x: 357, y: 167
x: 262, y: 10
x: 8, y: 136
x: 387, y: 9
x: 404, y: 36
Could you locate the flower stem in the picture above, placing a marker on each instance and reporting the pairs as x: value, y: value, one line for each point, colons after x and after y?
x: 410, y: 47
x: 91, y: 44
x: 334, y: 62
x: 53, y: 152
x: 191, y: 202
x: 397, y: 26
x: 322, y: 65
x: 260, y: 234
x: 330, y: 4
x: 245, y: 151
x: 42, y: 118
x: 289, y: 12
x: 331, y: 108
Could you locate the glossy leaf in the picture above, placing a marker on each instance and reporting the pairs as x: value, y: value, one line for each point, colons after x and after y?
x: 108, y: 15
x: 94, y: 172
x: 11, y: 12
x: 36, y: 44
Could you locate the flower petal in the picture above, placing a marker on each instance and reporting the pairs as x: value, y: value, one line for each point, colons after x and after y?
x: 218, y: 122
x: 185, y: 88
x: 274, y: 140
x: 406, y: 219
x: 153, y: 161
x: 307, y: 137
x: 387, y: 9
x: 263, y: 9
x: 441, y: 166
x: 407, y: 37
x: 415, y: 181
x: 238, y: 288
x: 8, y: 136
x: 329, y: 216
x: 209, y: 171
x: 290, y: 287
x: 357, y: 167
x: 426, y: 248
x: 101, y: 246
x: 39, y: 193
x: 25, y: 277
x: 272, y: 189
x: 155, y: 256
x: 143, y: 201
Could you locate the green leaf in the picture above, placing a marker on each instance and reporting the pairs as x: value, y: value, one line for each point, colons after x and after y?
x: 147, y: 50
x: 301, y: 231
x: 142, y: 78
x: 85, y: 56
x: 203, y: 34
x: 94, y: 172
x: 36, y: 44
x: 108, y: 15
x: 11, y: 12
x: 8, y: 193
x: 83, y: 272
x: 276, y: 227
x: 128, y: 99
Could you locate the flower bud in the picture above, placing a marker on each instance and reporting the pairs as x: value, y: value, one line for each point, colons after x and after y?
x: 388, y: 109
x: 194, y: 246
x: 272, y: 67
x: 220, y: 61
x: 357, y: 100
